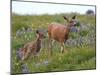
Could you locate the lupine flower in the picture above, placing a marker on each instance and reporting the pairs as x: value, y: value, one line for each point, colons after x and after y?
x: 25, y: 68
x: 73, y: 29
x: 19, y: 54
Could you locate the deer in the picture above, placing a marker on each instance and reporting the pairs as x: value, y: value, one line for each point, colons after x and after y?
x: 33, y: 47
x: 60, y: 32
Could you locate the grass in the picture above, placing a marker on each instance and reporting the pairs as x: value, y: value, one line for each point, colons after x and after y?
x: 74, y: 58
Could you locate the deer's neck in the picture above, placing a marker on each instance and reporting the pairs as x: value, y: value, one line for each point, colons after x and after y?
x: 38, y: 41
x: 69, y: 27
x: 38, y: 44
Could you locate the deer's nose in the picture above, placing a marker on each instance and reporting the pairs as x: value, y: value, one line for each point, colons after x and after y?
x: 75, y: 23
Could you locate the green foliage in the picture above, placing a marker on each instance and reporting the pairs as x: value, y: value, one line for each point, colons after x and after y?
x: 78, y: 24
x: 83, y: 33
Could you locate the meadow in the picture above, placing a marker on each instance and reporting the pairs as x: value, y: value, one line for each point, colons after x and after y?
x: 80, y: 48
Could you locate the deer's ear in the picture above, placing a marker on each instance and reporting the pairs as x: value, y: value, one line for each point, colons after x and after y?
x: 65, y: 18
x: 37, y: 31
x: 74, y: 17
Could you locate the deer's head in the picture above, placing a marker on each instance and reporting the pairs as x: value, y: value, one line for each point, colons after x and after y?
x: 40, y: 34
x: 72, y: 22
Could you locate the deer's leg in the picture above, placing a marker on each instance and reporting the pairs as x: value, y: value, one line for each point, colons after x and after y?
x: 50, y: 43
x: 62, y: 47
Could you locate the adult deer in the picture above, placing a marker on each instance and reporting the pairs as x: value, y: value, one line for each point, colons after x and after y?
x: 60, y: 32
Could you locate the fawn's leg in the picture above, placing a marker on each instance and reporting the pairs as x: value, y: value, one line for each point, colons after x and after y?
x: 23, y: 55
x: 26, y: 54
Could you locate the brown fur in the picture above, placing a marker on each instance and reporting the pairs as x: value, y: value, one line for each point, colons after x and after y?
x: 33, y: 47
x: 60, y: 32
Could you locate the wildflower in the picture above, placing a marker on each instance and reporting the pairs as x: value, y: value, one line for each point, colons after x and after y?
x: 25, y: 68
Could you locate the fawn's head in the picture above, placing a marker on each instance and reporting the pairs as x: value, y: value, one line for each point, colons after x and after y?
x: 72, y: 22
x: 40, y: 34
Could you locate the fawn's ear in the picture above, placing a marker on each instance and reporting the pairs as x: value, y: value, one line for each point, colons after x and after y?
x: 74, y: 17
x: 65, y: 18
x: 37, y: 31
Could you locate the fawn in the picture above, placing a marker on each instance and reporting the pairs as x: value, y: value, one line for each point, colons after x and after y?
x: 33, y: 47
